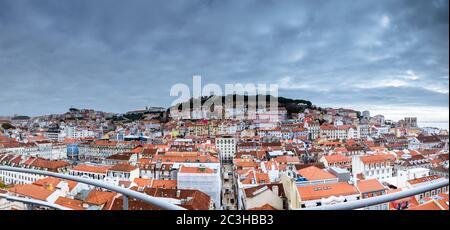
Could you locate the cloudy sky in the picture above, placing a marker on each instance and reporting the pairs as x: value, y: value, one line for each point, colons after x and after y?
x: 389, y: 57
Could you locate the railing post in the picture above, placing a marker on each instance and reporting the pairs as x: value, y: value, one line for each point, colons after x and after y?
x: 125, y: 202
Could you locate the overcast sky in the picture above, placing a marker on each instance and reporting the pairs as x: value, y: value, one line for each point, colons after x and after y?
x: 389, y: 57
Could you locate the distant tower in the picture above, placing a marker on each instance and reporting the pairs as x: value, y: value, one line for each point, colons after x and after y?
x: 366, y: 114
x: 411, y: 121
x: 379, y: 119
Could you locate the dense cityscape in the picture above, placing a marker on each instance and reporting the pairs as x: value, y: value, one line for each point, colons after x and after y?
x: 280, y: 160
x: 169, y: 113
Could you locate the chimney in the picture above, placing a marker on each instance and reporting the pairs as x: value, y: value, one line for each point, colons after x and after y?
x: 178, y: 193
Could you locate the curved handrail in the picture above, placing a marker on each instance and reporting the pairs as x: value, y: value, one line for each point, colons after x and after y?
x: 34, y: 201
x: 165, y: 205
x: 381, y: 199
x: 127, y: 192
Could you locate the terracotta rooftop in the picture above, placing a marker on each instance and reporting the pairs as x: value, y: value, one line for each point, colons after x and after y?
x: 70, y: 203
x: 53, y: 181
x: 125, y: 156
x: 370, y: 185
x: 169, y: 184
x: 254, y: 177
x: 105, y: 143
x: 181, y: 158
x: 377, y: 158
x: 354, y: 148
x: 133, y: 204
x: 424, y: 179
x: 143, y: 182
x: 430, y: 206
x: 123, y: 167
x: 428, y: 139
x: 96, y: 197
x: 250, y: 192
x: 287, y: 159
x: 265, y: 207
x: 245, y: 163
x: 184, y: 169
x: 91, y: 168
x: 314, y: 173
x: 441, y: 199
x: 16, y: 160
x: 316, y: 192
x: 31, y: 190
x: 48, y: 164
x: 198, y: 201
x: 335, y: 158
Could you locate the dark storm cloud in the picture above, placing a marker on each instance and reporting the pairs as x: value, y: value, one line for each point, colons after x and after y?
x: 117, y: 56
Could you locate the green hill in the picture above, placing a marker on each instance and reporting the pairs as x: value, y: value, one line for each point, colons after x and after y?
x: 291, y: 105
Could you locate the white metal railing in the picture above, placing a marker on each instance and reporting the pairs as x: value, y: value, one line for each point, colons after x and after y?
x: 382, y: 199
x: 33, y: 202
x: 168, y: 206
x: 125, y: 192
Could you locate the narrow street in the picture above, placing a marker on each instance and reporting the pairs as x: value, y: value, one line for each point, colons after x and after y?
x: 228, y: 193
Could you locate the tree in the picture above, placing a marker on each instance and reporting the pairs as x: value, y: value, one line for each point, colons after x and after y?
x: 2, y: 185
x: 8, y: 126
x: 358, y: 114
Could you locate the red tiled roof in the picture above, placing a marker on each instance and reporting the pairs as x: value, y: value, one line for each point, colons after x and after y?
x: 441, y: 199
x: 143, y: 182
x: 198, y: 201
x: 245, y: 163
x: 16, y: 160
x: 31, y: 190
x: 123, y: 167
x: 70, y: 203
x: 91, y: 168
x: 264, y: 207
x: 314, y: 173
x: 259, y: 178
x: 287, y: 159
x: 377, y: 158
x: 48, y: 181
x: 250, y: 192
x: 424, y: 179
x: 315, y: 192
x: 96, y: 197
x: 48, y: 164
x: 370, y: 185
x: 169, y: 184
x: 184, y: 169
x: 335, y: 158
x: 430, y: 206
x: 53, y: 182
x: 133, y: 204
